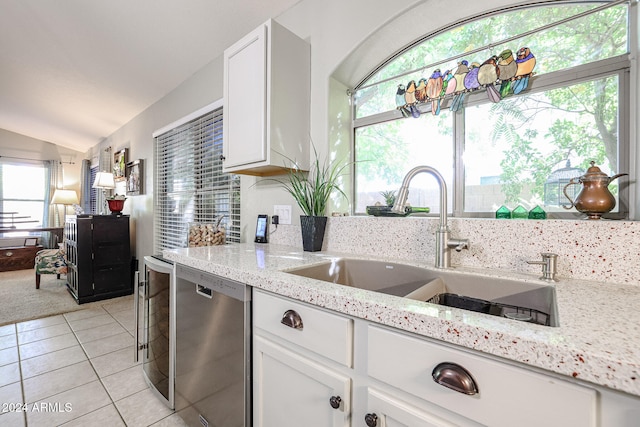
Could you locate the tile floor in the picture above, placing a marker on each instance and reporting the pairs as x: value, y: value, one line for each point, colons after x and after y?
x: 77, y: 369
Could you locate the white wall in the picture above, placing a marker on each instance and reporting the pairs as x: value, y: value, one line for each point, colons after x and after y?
x: 347, y: 40
x: 201, y: 89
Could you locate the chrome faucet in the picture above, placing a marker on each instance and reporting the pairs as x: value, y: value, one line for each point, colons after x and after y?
x: 444, y: 243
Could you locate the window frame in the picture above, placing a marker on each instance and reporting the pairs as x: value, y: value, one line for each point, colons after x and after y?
x: 171, y: 232
x: 620, y: 65
x: 3, y: 199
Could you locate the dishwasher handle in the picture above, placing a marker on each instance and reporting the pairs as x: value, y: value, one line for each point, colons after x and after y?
x: 204, y: 291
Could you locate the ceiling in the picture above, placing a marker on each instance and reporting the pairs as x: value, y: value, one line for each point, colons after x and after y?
x: 74, y: 71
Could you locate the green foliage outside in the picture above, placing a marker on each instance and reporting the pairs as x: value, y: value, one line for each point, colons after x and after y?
x: 586, y: 113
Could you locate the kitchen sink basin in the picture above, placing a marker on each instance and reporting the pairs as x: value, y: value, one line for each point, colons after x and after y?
x: 513, y: 299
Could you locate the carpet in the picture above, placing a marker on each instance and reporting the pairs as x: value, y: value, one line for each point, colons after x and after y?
x: 21, y: 300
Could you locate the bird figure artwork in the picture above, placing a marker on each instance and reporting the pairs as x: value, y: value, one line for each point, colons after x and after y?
x: 434, y: 87
x: 488, y: 74
x: 410, y: 98
x: 459, y: 75
x: 449, y: 83
x: 471, y: 79
x: 508, y: 67
x: 421, y: 90
x: 525, y: 62
x: 400, y: 101
x: 511, y: 72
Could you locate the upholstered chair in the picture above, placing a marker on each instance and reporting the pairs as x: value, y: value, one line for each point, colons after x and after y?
x: 49, y: 261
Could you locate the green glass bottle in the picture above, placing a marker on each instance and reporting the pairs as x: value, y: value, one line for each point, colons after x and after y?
x: 503, y: 213
x: 412, y: 210
x: 537, y: 213
x: 519, y: 213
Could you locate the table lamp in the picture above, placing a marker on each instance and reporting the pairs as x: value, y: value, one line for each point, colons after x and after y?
x: 66, y: 198
x: 105, y: 181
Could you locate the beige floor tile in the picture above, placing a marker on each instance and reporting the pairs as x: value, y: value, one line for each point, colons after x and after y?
x: 171, y: 421
x: 7, y: 330
x: 108, y: 345
x: 12, y: 419
x: 126, y: 319
x: 11, y: 394
x: 107, y: 416
x: 8, y: 355
x: 43, y: 333
x: 68, y: 405
x: 111, y: 363
x: 99, y: 332
x: 50, y: 361
x: 40, y: 323
x: 125, y: 383
x: 119, y: 304
x: 142, y: 409
x: 9, y: 374
x: 38, y: 348
x: 8, y: 341
x: 84, y: 314
x: 91, y: 322
x: 54, y: 382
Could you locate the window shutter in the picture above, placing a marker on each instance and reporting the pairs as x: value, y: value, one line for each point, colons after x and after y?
x: 189, y: 184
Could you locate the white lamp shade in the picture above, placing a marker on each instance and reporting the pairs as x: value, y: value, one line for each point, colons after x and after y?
x: 104, y: 180
x: 65, y: 197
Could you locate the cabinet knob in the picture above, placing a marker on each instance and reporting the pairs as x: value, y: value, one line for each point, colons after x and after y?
x: 371, y: 420
x: 292, y: 319
x: 335, y: 401
x: 455, y: 377
x: 9, y: 253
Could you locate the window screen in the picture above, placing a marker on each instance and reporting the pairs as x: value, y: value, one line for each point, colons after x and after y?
x: 189, y: 184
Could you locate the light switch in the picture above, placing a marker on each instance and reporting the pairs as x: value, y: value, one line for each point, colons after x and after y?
x: 283, y: 212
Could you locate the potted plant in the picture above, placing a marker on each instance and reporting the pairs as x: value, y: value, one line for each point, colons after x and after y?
x: 311, y: 191
x: 116, y: 203
x: 389, y: 197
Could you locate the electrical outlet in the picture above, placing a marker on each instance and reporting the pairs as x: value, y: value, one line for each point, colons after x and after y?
x: 283, y: 212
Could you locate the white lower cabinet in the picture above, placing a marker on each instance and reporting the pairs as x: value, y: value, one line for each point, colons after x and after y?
x: 301, y: 362
x: 313, y: 367
x: 291, y: 390
x: 387, y: 411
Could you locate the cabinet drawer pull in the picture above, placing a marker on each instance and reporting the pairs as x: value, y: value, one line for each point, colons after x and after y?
x: 454, y: 377
x: 292, y: 319
x: 335, y: 401
x: 371, y: 420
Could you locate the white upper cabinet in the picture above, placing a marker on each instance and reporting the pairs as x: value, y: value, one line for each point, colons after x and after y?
x: 266, y: 102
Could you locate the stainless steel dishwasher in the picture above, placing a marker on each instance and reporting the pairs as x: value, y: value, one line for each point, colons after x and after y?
x: 213, y: 350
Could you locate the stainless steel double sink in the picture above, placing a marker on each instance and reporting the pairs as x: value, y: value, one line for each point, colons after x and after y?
x: 514, y: 299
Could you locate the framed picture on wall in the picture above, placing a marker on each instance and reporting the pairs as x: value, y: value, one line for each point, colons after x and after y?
x: 119, y: 165
x: 135, y: 177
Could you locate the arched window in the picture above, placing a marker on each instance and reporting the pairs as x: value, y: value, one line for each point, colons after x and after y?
x: 498, y: 140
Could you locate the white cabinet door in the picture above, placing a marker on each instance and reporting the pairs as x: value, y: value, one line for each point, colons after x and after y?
x: 385, y: 411
x: 245, y: 100
x: 290, y: 390
x: 267, y: 77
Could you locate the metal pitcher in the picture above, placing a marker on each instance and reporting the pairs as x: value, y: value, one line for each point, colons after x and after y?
x: 594, y: 199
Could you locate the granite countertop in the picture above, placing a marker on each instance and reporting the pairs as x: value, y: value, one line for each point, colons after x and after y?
x: 598, y: 339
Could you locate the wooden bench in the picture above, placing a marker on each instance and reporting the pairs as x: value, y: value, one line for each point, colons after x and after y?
x: 18, y: 257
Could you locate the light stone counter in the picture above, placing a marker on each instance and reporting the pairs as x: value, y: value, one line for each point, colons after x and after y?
x: 598, y: 339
